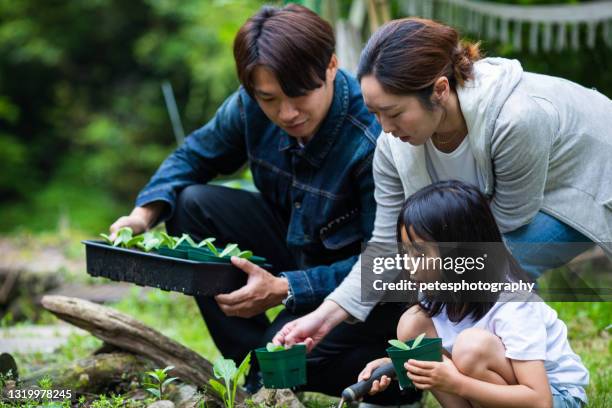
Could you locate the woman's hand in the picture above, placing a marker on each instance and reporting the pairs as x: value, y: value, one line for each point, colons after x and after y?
x: 442, y: 376
x: 377, y: 385
x: 311, y: 328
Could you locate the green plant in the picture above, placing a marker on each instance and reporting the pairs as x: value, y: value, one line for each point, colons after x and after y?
x: 7, y: 320
x: 45, y: 383
x: 208, y: 242
x: 181, y: 239
x: 403, y: 346
x: 229, y: 250
x: 4, y: 377
x: 124, y: 238
x: 155, y: 239
x: 159, y: 381
x: 226, y: 369
x: 151, y: 240
x: 271, y: 347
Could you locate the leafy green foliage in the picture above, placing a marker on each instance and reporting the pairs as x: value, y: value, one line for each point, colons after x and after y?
x: 271, y: 347
x: 158, y: 381
x: 403, y: 346
x: 153, y: 240
x: 45, y: 383
x: 226, y: 370
x: 84, y: 123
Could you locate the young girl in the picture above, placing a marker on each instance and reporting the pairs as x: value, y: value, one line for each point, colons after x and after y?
x: 503, y: 353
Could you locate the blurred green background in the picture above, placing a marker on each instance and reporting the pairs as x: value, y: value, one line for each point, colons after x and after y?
x: 83, y: 123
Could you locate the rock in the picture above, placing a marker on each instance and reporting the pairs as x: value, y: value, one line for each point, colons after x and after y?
x: 184, y: 395
x: 276, y: 398
x: 161, y: 404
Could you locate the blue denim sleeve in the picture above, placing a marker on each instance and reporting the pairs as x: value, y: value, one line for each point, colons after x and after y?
x: 216, y: 148
x: 311, y: 286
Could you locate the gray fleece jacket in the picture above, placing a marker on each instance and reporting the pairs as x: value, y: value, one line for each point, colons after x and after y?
x: 541, y: 144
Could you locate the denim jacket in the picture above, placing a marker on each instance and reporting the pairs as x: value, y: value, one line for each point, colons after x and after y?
x: 324, y: 190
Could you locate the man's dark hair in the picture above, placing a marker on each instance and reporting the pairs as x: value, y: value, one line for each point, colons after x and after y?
x: 293, y: 42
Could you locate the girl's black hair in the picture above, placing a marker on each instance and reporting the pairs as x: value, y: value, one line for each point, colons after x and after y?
x: 458, y: 214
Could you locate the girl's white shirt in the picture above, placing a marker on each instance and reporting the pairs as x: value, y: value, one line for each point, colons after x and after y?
x: 528, y: 331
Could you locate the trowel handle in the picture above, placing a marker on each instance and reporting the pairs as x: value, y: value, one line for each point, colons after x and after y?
x: 358, y: 390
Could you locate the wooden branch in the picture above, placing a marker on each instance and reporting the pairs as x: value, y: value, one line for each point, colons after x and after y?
x: 129, y: 334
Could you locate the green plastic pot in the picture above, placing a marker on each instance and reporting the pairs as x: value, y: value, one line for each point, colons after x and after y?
x: 174, y: 253
x: 283, y: 369
x: 201, y: 255
x: 205, y: 255
x: 430, y: 349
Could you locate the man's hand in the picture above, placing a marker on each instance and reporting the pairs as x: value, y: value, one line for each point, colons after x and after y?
x: 311, y: 328
x: 261, y: 292
x: 135, y: 222
x: 139, y: 220
x: 441, y: 376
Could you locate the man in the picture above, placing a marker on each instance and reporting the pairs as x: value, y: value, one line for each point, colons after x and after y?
x: 301, y: 124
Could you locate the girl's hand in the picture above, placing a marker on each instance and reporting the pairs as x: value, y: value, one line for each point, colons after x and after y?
x: 442, y: 376
x: 378, y: 385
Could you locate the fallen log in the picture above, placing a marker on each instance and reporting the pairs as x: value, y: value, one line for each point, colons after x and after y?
x: 127, y: 333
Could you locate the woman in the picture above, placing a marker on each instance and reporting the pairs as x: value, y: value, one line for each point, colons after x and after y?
x: 537, y: 146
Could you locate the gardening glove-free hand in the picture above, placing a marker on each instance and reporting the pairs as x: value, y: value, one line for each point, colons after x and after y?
x: 139, y: 220
x: 261, y: 292
x: 311, y: 328
x: 377, y: 385
x: 426, y: 375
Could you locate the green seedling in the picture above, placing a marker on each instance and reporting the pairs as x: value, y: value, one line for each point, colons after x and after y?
x: 230, y: 250
x: 226, y: 369
x: 271, y: 347
x: 403, y: 346
x: 45, y: 383
x: 208, y: 243
x: 183, y: 238
x: 123, y: 239
x: 233, y: 250
x: 151, y: 240
x: 158, y: 382
x: 245, y: 254
x: 155, y: 239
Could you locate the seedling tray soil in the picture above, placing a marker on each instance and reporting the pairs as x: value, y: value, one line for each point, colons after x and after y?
x: 163, y: 272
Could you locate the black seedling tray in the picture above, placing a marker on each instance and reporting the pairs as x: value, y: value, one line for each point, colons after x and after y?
x: 163, y: 272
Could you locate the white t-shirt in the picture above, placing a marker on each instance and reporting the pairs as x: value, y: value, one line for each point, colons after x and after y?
x: 459, y: 164
x: 528, y: 331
